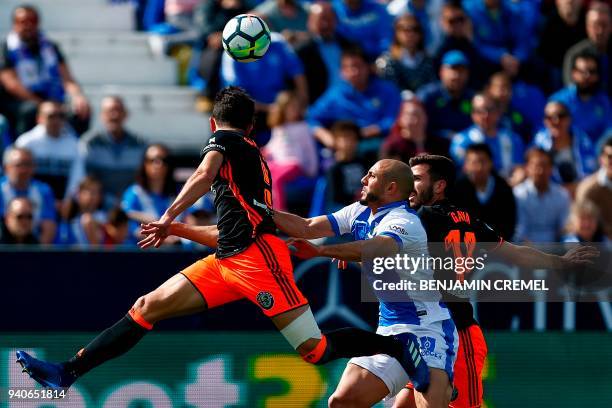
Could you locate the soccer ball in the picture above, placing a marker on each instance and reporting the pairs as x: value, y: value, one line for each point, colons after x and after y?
x: 246, y: 38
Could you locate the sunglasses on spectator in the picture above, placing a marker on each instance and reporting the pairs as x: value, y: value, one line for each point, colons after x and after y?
x: 556, y: 116
x: 157, y: 160
x: 24, y: 216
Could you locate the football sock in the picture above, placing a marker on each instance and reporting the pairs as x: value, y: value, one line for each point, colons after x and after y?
x: 353, y: 342
x: 111, y: 343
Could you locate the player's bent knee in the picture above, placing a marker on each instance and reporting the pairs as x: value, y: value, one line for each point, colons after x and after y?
x: 340, y: 400
x: 148, y: 308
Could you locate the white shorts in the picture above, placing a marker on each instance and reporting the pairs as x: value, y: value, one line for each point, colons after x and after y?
x: 438, y: 342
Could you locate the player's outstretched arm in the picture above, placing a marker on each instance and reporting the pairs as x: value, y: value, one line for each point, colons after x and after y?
x: 350, y: 252
x: 196, y: 186
x: 528, y: 257
x: 298, y: 227
x: 154, y: 236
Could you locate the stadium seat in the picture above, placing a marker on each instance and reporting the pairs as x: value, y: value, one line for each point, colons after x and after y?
x: 75, y: 15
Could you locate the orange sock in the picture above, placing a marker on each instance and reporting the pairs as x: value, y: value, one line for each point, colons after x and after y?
x: 137, y: 317
x: 317, y: 353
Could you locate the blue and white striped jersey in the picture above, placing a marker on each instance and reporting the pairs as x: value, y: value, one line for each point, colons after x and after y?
x: 399, y: 222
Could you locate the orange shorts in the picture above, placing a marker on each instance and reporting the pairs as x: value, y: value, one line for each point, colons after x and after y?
x: 468, y: 367
x: 263, y: 274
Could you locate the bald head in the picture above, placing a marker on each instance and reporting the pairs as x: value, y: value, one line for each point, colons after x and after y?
x: 398, y: 172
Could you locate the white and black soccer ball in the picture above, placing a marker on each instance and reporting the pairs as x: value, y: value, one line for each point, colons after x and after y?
x: 246, y: 38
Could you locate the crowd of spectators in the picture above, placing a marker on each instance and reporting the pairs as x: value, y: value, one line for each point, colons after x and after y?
x: 517, y: 93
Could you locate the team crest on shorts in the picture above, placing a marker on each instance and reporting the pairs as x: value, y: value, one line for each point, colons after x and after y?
x: 265, y: 300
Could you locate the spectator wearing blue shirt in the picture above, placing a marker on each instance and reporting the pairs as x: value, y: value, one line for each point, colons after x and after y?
x: 499, y: 34
x: 360, y: 97
x: 571, y: 149
x: 448, y: 102
x: 515, y: 116
x: 18, y: 182
x: 154, y: 190
x: 85, y: 220
x: 32, y: 70
x: 542, y: 205
x: 506, y: 146
x: 265, y: 78
x: 365, y: 22
x: 588, y: 103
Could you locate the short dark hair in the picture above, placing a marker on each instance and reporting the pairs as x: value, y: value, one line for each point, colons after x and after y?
x: 355, y: 51
x: 534, y: 151
x: 440, y: 168
x: 345, y: 126
x: 480, y: 148
x: 234, y: 107
x: 117, y: 217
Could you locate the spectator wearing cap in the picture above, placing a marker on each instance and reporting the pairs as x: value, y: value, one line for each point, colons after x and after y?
x: 598, y: 43
x: 588, y: 103
x: 18, y: 182
x: 597, y: 187
x: 482, y: 191
x: 111, y: 154
x: 407, y: 63
x: 571, y: 149
x: 500, y: 35
x: 18, y: 228
x: 506, y: 146
x: 364, y: 22
x: 448, y: 102
x: 360, y: 97
x: 33, y: 70
x: 457, y: 35
x: 536, y: 193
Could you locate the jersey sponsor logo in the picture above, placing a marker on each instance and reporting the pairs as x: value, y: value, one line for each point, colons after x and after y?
x: 215, y: 145
x: 428, y: 347
x: 360, y: 230
x: 265, y: 300
x: 398, y: 229
x: 460, y: 216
